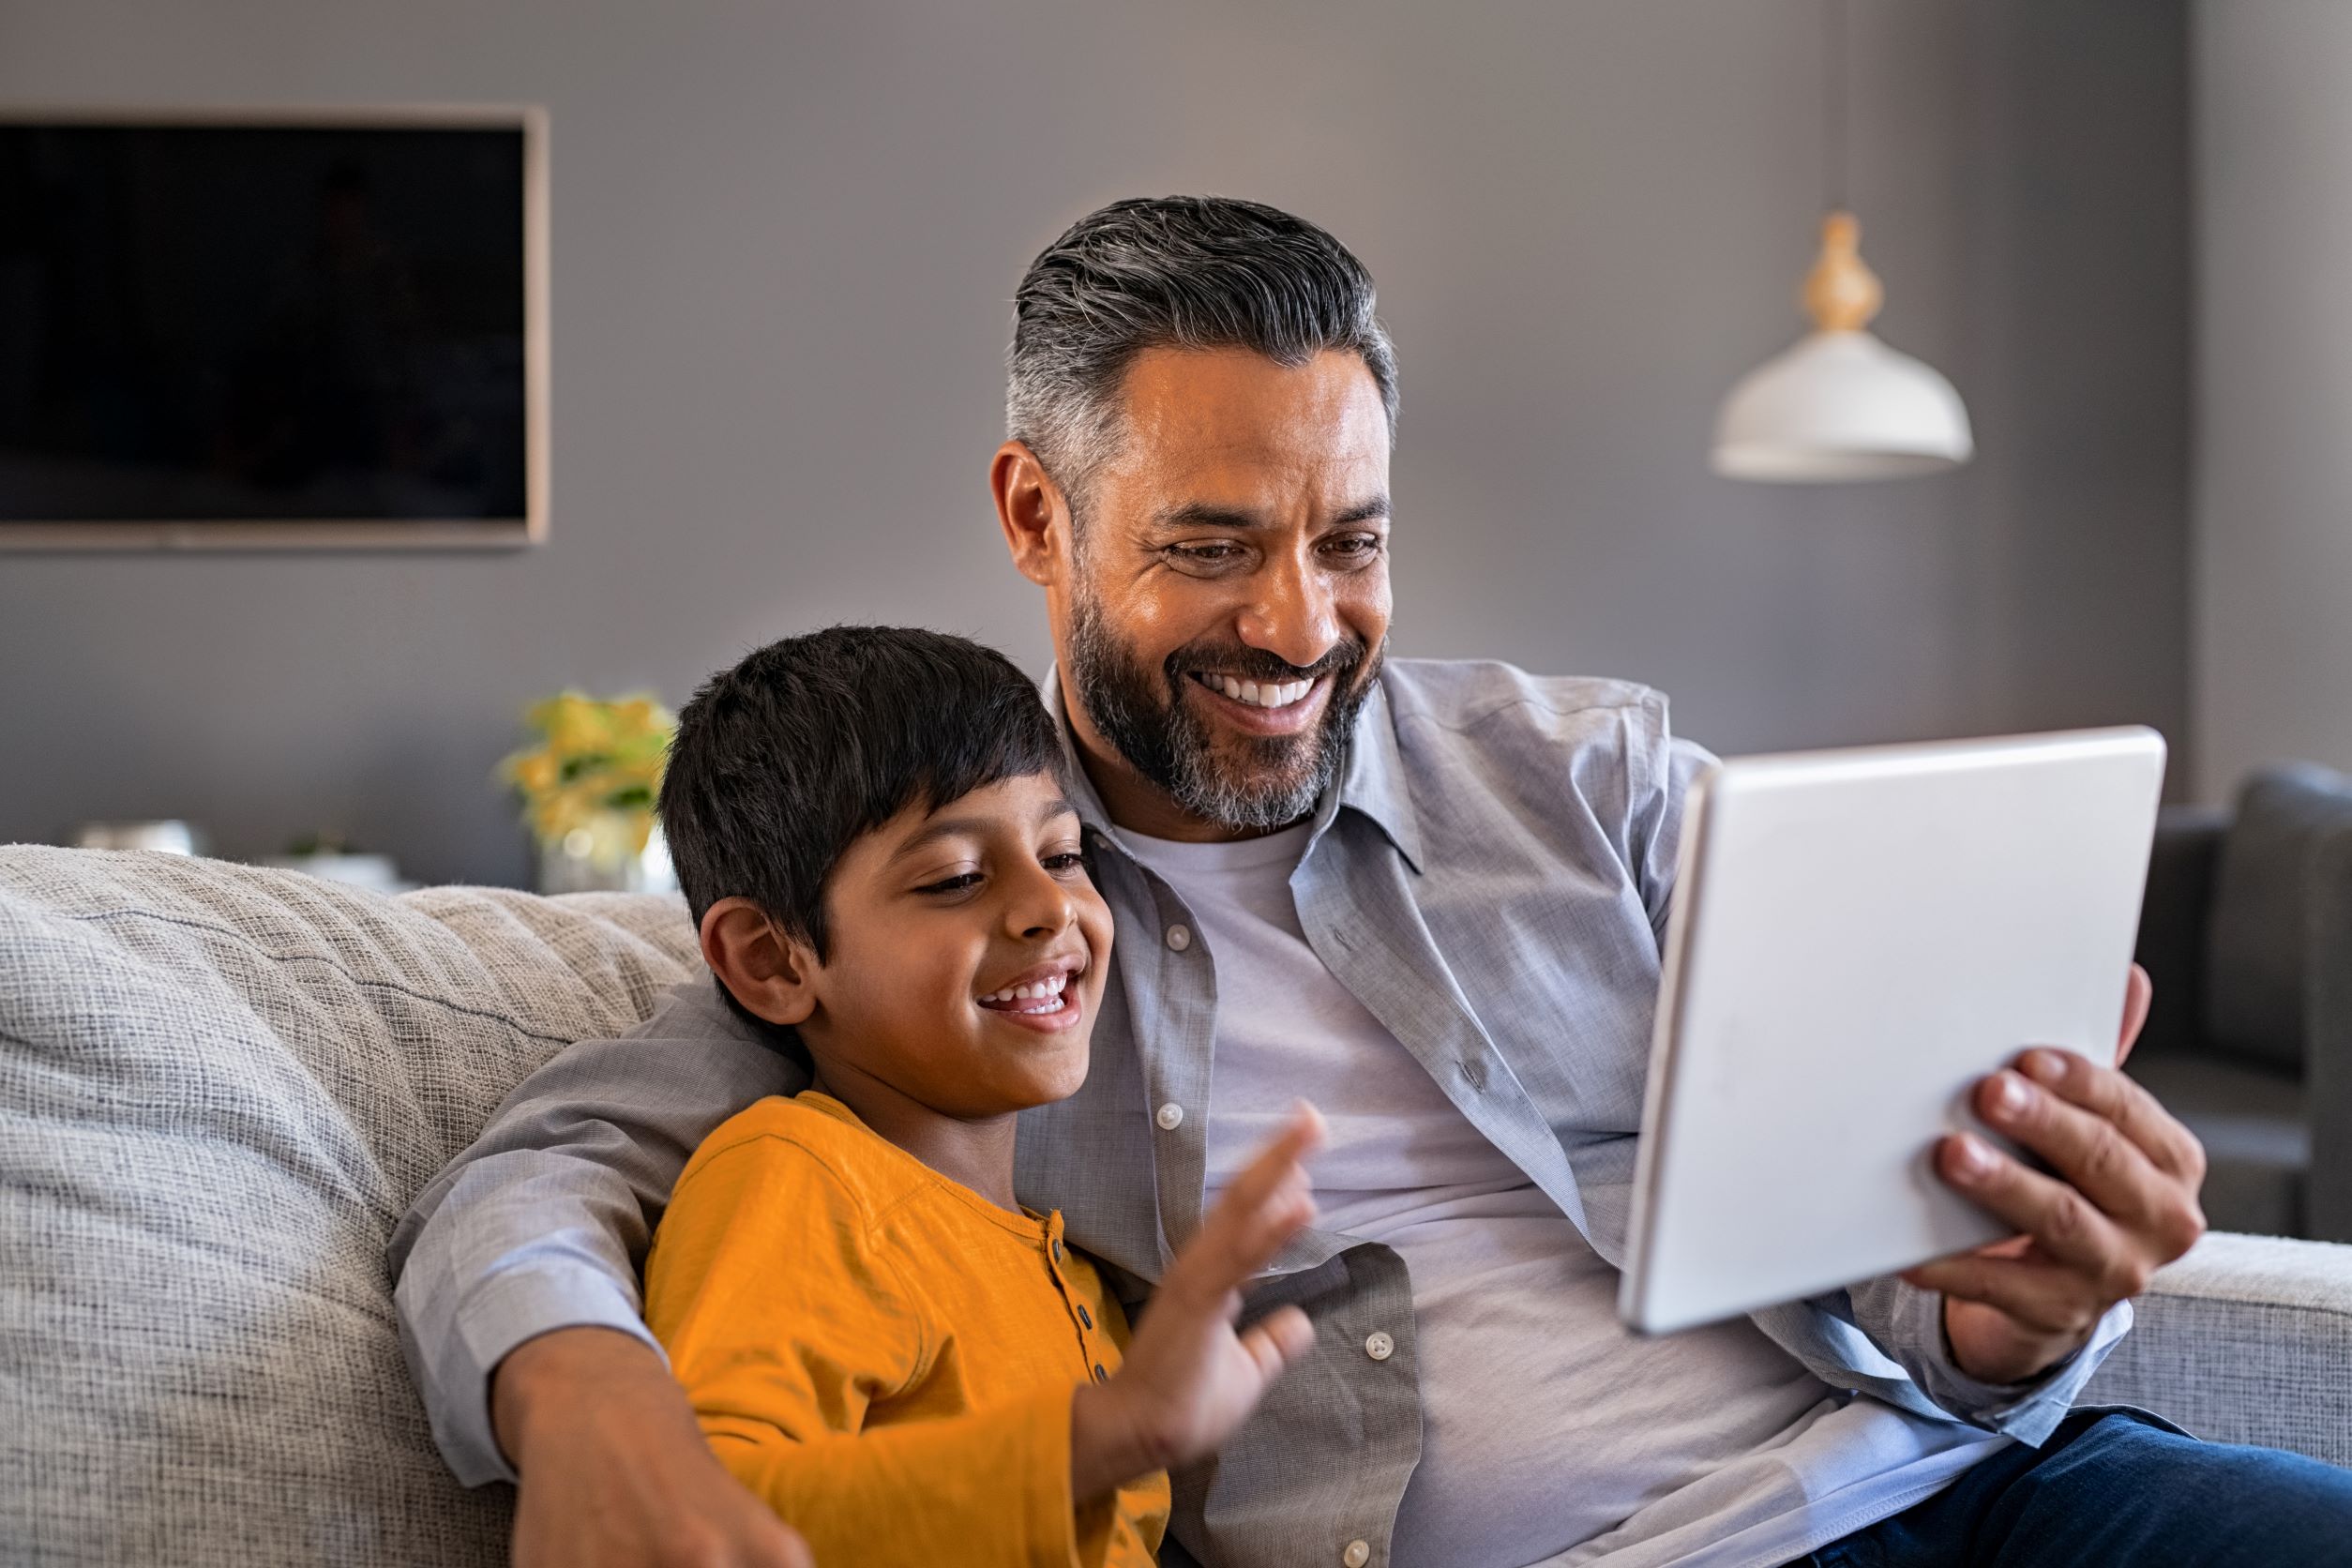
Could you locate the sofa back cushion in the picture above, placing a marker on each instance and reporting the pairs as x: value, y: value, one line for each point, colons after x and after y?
x: 220, y: 1089
x: 2257, y: 953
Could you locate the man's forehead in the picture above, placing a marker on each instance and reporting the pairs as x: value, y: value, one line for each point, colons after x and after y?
x: 1203, y: 415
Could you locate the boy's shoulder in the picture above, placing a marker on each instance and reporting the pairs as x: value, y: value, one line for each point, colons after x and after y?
x: 815, y: 1138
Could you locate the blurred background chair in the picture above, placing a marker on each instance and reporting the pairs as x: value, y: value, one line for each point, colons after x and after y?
x: 2247, y: 932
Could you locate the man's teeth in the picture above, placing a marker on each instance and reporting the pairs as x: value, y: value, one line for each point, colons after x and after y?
x: 1045, y: 996
x: 1271, y: 694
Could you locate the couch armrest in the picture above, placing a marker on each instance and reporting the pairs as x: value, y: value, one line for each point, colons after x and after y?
x: 2328, y: 1042
x: 2247, y: 1339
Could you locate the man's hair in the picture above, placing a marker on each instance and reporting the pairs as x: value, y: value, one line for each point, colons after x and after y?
x: 783, y: 762
x: 1187, y: 272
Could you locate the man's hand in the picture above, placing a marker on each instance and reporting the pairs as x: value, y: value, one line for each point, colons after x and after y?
x: 615, y: 1472
x: 1190, y: 1378
x: 2124, y: 1203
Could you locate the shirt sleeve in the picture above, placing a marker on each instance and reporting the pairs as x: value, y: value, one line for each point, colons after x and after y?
x: 1662, y: 769
x: 786, y: 1328
x: 1908, y: 1324
x: 540, y: 1224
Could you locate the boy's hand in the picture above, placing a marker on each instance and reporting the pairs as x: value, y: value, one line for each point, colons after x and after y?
x: 1189, y: 1380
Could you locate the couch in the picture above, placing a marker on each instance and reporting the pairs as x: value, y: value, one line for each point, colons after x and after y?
x: 2247, y: 931
x: 219, y: 1087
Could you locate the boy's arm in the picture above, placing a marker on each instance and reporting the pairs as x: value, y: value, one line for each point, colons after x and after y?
x: 784, y: 1327
x: 540, y: 1225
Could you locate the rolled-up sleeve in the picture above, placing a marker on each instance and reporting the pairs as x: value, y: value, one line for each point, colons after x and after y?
x: 543, y: 1222
x: 1907, y: 1323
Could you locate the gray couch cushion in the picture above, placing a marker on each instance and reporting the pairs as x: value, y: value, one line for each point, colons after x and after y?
x: 2257, y: 957
x: 220, y: 1088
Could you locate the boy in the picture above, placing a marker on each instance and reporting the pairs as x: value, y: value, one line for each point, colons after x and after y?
x: 870, y: 827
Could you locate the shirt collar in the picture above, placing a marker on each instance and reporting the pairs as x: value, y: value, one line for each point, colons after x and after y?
x: 1371, y: 783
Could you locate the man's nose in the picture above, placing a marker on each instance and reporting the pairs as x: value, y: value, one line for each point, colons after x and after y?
x: 1292, y: 615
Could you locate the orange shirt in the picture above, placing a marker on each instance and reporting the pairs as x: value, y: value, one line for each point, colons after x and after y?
x: 883, y: 1354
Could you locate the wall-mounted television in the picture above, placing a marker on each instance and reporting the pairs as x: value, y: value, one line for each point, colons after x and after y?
x: 287, y: 329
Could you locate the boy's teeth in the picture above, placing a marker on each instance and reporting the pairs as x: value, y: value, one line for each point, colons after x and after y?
x: 1051, y: 986
x: 1271, y: 694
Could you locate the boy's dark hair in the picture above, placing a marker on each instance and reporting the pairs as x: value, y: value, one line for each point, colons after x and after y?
x: 782, y: 761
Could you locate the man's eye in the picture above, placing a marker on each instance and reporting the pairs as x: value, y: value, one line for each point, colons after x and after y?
x: 954, y: 884
x: 1206, y: 555
x: 1353, y: 546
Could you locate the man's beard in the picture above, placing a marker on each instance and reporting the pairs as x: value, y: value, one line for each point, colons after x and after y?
x: 1255, y: 782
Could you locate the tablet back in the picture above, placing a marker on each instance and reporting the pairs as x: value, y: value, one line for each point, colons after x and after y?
x: 1857, y: 938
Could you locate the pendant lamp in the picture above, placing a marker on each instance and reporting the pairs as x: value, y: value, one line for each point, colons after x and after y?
x: 1841, y: 404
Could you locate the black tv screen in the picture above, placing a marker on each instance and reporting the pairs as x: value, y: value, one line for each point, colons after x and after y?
x: 217, y: 331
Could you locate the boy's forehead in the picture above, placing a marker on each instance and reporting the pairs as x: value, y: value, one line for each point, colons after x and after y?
x: 1026, y: 801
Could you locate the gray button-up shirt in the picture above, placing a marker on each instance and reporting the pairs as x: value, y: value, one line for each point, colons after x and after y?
x: 1489, y: 878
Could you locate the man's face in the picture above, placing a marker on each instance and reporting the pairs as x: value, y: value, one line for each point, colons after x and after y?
x: 1223, y: 617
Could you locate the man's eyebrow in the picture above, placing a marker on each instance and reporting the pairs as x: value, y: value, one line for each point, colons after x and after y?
x: 1202, y: 514
x: 950, y: 827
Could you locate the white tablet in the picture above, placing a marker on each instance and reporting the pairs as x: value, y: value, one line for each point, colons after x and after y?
x: 1857, y: 938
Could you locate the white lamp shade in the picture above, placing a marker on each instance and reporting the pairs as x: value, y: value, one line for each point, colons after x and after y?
x: 1841, y: 405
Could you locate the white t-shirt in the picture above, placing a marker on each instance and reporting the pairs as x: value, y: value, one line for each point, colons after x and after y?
x: 1548, y: 1430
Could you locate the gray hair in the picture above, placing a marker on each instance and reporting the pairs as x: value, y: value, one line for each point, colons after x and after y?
x: 1190, y: 272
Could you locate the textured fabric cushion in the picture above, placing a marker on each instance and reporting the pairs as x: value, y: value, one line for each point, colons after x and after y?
x: 2256, y: 960
x: 219, y: 1087
x: 2247, y: 1339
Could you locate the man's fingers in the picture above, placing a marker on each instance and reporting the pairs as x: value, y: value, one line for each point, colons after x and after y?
x: 2042, y: 1296
x: 2062, y: 1222
x: 2114, y: 1099
x: 2138, y: 992
x: 2085, y: 1148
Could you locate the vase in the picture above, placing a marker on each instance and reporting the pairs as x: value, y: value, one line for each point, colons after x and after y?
x: 601, y: 856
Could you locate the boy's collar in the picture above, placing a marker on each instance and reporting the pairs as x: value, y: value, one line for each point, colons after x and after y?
x: 1372, y: 782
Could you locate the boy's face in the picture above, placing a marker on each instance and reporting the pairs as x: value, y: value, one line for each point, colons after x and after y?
x: 937, y: 920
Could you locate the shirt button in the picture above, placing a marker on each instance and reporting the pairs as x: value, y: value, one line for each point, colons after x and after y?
x: 1379, y: 1347
x: 1172, y: 1116
x: 1357, y: 1555
x: 1101, y: 1376
x: 1086, y: 1318
x: 1178, y: 938
x: 1057, y: 1249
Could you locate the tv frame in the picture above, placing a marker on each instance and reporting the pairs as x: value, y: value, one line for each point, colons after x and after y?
x: 294, y: 534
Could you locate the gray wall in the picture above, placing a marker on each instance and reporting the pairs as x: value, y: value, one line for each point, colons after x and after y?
x: 785, y: 237
x: 2274, y: 504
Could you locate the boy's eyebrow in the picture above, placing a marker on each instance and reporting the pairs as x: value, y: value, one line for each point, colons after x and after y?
x: 949, y: 827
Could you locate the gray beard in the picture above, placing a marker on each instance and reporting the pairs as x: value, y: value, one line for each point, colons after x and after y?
x: 1273, y: 781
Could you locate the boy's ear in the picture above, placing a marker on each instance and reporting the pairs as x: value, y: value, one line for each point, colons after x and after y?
x: 768, y: 971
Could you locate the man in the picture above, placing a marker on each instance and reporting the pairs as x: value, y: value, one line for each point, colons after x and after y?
x: 1427, y: 897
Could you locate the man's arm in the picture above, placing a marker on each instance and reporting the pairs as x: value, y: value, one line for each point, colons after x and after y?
x: 517, y: 1284
x: 543, y: 1222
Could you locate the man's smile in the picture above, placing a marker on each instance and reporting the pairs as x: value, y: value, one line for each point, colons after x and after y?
x: 1263, y: 708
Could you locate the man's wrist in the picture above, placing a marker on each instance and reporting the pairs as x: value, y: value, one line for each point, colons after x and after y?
x: 537, y: 1381
x: 2020, y: 1358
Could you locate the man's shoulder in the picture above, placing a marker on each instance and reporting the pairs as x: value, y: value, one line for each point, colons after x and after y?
x: 1490, y: 697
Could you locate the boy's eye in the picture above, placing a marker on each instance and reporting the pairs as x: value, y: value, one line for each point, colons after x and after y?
x: 1070, y: 861
x: 958, y: 884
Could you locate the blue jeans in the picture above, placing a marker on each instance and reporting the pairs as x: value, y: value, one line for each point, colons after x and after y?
x: 2118, y: 1486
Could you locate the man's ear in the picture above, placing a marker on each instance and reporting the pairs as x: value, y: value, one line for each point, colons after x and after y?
x: 1034, y: 513
x: 770, y: 972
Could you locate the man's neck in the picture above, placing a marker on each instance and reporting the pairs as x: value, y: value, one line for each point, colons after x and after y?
x: 974, y: 1153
